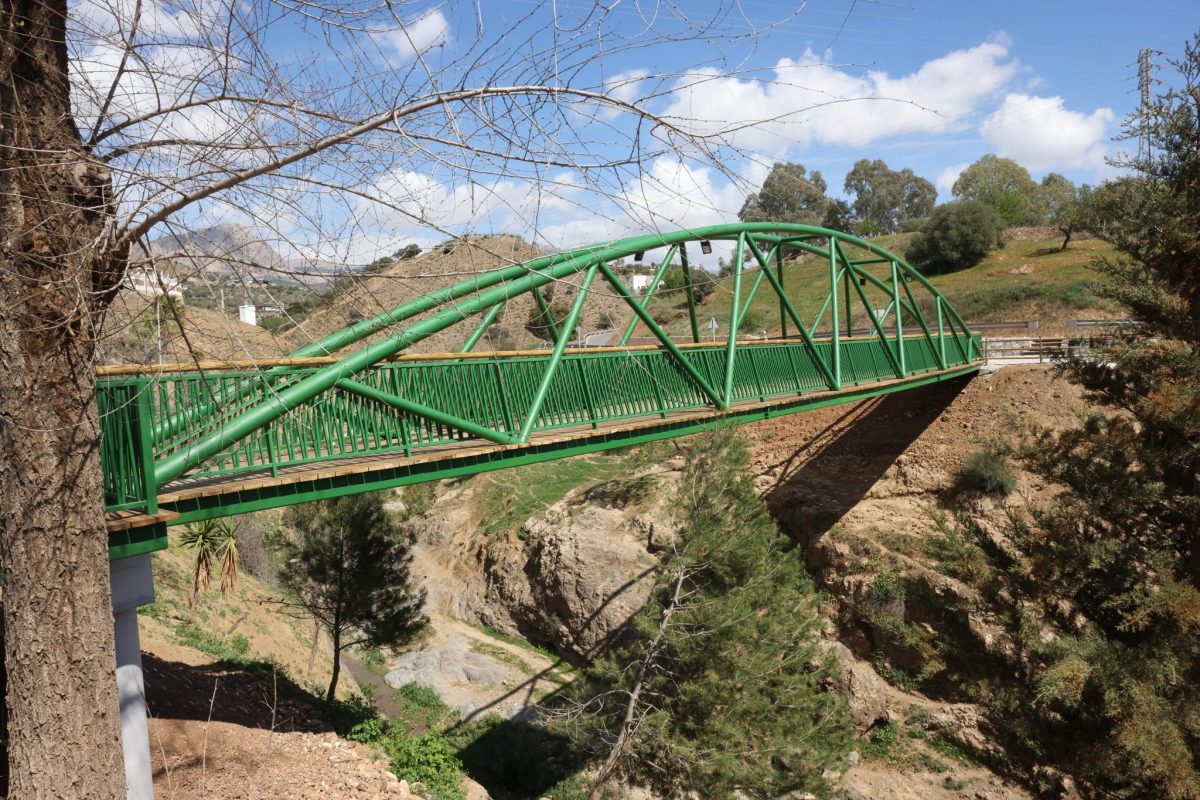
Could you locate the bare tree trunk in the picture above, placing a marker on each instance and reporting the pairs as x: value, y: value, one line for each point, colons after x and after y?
x: 61, y: 694
x: 629, y: 722
x: 337, y: 660
x: 1067, y: 231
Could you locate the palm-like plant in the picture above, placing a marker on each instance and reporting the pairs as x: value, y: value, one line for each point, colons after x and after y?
x: 214, y: 541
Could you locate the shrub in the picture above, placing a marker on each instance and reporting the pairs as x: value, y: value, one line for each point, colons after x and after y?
x: 429, y: 761
x: 888, y: 587
x: 881, y: 741
x: 958, y: 235
x: 500, y: 338
x: 544, y: 325
x: 988, y: 471
x: 754, y: 321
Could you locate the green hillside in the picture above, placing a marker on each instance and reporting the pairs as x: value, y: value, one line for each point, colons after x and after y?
x: 1027, y: 279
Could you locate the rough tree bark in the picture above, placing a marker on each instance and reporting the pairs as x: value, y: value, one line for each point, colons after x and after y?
x: 54, y: 203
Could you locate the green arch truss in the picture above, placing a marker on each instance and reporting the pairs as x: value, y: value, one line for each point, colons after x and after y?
x: 879, y: 324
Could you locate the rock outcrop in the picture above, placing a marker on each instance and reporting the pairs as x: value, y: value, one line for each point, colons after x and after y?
x: 572, y: 580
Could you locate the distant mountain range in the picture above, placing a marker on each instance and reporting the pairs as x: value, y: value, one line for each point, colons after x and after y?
x: 236, y: 250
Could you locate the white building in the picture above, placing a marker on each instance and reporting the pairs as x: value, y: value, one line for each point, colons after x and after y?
x: 248, y: 314
x: 638, y: 284
x: 147, y: 283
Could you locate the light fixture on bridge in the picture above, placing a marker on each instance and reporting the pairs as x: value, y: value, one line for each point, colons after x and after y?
x: 705, y: 246
x: 638, y: 255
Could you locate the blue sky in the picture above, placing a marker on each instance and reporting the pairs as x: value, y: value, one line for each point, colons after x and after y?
x: 927, y: 84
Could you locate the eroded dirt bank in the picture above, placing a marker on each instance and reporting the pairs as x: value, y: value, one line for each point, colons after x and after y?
x: 859, y: 487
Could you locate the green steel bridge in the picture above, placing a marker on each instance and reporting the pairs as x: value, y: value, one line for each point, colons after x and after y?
x: 192, y: 442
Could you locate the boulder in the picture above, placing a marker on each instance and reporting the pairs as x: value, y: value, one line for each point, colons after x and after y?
x: 863, y: 689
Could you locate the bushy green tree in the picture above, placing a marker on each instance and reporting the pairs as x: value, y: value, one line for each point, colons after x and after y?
x: 718, y: 694
x: 958, y: 235
x: 1111, y: 569
x: 704, y: 283
x: 1063, y: 204
x: 790, y: 193
x: 838, y: 216
x: 348, y: 566
x: 884, y: 196
x: 1002, y: 184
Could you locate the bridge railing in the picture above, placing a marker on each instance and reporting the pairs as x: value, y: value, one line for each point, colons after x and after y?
x: 126, y: 447
x: 401, y: 407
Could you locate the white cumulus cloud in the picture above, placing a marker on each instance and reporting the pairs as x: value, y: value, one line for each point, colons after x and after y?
x: 1041, y: 133
x: 946, y: 178
x: 810, y: 100
x: 417, y: 36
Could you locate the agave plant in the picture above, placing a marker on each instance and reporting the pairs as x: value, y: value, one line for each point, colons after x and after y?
x: 215, y: 542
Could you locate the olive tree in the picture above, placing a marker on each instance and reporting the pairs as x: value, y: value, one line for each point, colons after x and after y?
x: 958, y: 235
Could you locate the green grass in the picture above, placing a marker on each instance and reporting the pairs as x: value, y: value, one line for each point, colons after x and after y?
x: 880, y: 743
x: 562, y: 671
x: 514, y: 495
x: 421, y: 709
x: 235, y: 649
x: 1023, y: 280
x: 503, y: 656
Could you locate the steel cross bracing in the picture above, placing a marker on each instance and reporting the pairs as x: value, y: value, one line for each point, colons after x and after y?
x: 321, y: 423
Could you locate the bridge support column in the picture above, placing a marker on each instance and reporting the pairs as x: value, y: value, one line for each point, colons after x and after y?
x: 132, y: 586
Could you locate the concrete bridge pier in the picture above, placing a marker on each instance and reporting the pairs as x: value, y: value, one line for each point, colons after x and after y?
x: 132, y: 586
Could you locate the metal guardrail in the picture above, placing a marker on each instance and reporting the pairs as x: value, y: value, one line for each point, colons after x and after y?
x: 401, y: 407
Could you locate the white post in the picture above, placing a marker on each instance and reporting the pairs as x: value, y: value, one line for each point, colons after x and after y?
x: 132, y: 586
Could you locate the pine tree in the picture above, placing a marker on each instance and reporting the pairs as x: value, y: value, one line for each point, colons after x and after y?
x: 348, y: 565
x: 1115, y: 562
x: 719, y: 692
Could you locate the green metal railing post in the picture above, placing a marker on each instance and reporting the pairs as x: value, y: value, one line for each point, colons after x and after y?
x: 847, y: 279
x: 649, y: 322
x: 482, y: 327
x: 145, y: 410
x: 750, y: 356
x: 833, y: 305
x: 272, y: 453
x: 735, y: 321
x: 941, y: 334
x: 568, y: 327
x: 899, y: 319
x: 691, y: 294
x: 510, y: 423
x: 658, y: 276
x: 783, y: 331
x: 587, y: 394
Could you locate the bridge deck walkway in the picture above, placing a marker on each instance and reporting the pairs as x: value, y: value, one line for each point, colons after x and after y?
x: 195, y: 492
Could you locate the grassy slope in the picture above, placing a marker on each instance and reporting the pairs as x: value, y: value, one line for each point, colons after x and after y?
x: 1027, y: 279
x: 246, y: 623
